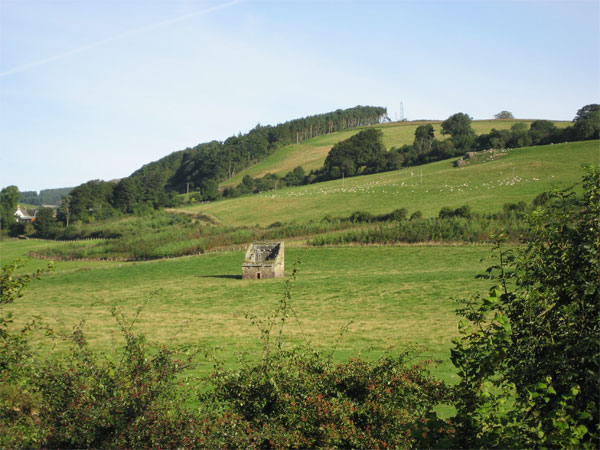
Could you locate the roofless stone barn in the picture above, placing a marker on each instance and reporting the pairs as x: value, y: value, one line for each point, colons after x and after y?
x: 263, y: 260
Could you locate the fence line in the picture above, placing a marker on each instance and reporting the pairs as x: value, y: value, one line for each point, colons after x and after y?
x: 62, y: 240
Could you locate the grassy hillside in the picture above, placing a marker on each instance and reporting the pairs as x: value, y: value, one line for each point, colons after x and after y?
x: 519, y: 176
x: 311, y: 154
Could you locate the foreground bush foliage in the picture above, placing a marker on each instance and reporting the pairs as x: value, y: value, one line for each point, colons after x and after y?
x: 302, y: 400
x: 535, y: 338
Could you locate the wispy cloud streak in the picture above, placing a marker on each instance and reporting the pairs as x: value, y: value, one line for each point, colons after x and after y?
x: 92, y: 45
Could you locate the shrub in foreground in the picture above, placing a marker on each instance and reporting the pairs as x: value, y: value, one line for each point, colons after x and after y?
x: 300, y: 399
x: 533, y: 343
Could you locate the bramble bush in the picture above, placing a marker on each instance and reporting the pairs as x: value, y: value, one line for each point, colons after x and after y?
x: 528, y: 356
x: 301, y: 399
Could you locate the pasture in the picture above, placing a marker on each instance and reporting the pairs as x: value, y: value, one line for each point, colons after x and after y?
x: 520, y: 175
x: 389, y: 298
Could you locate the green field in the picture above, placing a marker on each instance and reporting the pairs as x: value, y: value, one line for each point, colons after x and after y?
x: 392, y: 297
x: 312, y: 153
x: 389, y: 297
x: 519, y: 176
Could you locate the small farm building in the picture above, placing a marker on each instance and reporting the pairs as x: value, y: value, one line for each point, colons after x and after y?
x: 263, y: 260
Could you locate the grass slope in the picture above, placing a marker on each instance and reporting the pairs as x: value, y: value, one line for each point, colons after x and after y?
x: 392, y: 296
x: 312, y: 153
x: 519, y: 176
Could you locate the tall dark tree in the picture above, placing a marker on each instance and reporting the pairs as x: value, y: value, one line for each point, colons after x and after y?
x: 92, y: 200
x: 247, y: 185
x: 126, y: 195
x: 586, y: 112
x: 209, y: 189
x: 346, y: 158
x: 541, y: 132
x: 9, y: 197
x: 494, y: 139
x: 587, y: 123
x: 458, y: 126
x: 294, y: 177
x: 424, y: 135
x: 45, y: 222
x: 519, y: 136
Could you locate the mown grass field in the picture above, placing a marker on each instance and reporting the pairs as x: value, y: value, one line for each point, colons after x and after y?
x: 391, y: 298
x: 312, y: 153
x: 520, y: 175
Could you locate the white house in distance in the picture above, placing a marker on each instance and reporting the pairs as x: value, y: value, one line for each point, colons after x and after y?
x: 23, y: 216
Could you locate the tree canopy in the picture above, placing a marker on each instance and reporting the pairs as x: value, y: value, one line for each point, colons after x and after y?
x: 45, y: 222
x: 504, y: 115
x: 587, y: 123
x: 9, y: 197
x: 350, y: 156
x: 424, y: 135
x: 459, y: 127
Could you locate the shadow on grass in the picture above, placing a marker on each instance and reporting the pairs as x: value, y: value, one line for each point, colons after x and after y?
x: 233, y: 277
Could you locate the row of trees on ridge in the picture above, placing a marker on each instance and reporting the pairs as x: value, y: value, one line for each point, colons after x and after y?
x: 201, y: 168
x: 364, y: 153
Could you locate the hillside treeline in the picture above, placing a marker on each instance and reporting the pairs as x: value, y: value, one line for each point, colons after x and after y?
x: 364, y: 153
x: 204, y: 166
x: 45, y: 196
x: 425, y: 148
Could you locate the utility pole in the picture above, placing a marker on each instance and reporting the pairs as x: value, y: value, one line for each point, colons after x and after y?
x: 343, y: 181
x: 188, y: 191
x: 421, y: 175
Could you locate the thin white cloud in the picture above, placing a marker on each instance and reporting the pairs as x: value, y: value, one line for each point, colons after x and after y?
x: 92, y: 45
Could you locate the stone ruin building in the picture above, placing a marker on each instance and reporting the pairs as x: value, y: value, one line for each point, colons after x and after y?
x: 263, y: 260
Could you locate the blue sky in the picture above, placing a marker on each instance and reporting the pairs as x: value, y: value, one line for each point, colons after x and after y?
x: 95, y: 89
